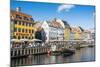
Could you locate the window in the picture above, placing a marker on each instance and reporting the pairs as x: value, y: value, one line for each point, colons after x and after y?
x: 23, y: 23
x: 22, y: 37
x: 19, y: 23
x: 26, y: 30
x: 32, y: 37
x: 18, y: 37
x: 12, y: 17
x: 26, y: 24
x: 25, y: 18
x: 18, y: 16
x: 19, y: 29
x: 32, y: 31
x: 29, y: 24
x: 22, y: 30
x: 31, y: 19
x: 15, y: 29
x: 29, y: 37
x: 14, y: 37
x: 26, y: 37
x: 15, y: 22
x: 29, y: 31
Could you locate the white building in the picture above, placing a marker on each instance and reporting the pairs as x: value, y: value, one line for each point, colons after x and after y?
x: 54, y: 29
x: 45, y: 26
x: 87, y: 35
x: 92, y: 33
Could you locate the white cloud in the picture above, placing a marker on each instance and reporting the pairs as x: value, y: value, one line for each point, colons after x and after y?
x: 65, y: 7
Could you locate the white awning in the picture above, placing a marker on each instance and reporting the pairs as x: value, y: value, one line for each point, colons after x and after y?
x: 24, y: 39
x: 15, y: 40
x: 35, y: 40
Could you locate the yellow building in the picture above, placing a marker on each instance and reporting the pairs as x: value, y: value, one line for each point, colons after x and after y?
x: 77, y: 32
x: 66, y: 31
x: 67, y: 34
x: 21, y: 25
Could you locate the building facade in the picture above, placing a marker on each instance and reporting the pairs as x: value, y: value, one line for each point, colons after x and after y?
x: 77, y: 33
x: 21, y: 25
x: 67, y: 30
x: 89, y: 35
x: 86, y: 35
x: 54, y: 29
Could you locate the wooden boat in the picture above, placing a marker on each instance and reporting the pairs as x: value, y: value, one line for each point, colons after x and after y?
x: 67, y: 52
x: 90, y: 45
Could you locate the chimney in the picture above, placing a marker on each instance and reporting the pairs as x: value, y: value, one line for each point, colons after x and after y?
x: 18, y: 9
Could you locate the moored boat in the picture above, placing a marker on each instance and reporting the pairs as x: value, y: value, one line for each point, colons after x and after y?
x: 67, y: 52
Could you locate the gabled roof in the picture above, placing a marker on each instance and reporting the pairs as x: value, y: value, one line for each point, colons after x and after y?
x: 77, y: 29
x: 66, y: 24
x: 81, y: 28
x: 54, y: 23
x: 20, y: 13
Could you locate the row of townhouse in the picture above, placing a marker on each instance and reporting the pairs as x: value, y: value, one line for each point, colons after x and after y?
x: 58, y: 29
x: 23, y: 27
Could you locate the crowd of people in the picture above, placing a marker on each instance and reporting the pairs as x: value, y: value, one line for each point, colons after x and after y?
x: 40, y: 35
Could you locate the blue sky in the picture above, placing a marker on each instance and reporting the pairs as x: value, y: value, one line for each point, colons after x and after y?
x: 75, y: 15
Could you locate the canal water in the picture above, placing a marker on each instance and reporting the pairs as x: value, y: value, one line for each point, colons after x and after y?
x: 82, y: 55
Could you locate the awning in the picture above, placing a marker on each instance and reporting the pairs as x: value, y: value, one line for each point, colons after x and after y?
x: 24, y: 39
x: 16, y: 40
x: 34, y: 40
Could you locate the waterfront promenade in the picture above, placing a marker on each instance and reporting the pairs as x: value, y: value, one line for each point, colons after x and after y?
x: 38, y: 48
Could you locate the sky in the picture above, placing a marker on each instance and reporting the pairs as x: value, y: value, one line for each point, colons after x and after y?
x: 75, y: 15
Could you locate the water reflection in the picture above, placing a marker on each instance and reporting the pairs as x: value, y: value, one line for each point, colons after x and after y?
x: 84, y: 54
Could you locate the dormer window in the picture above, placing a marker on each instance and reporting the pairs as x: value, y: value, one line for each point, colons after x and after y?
x: 31, y: 19
x: 17, y: 16
x: 12, y: 17
x: 25, y: 18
